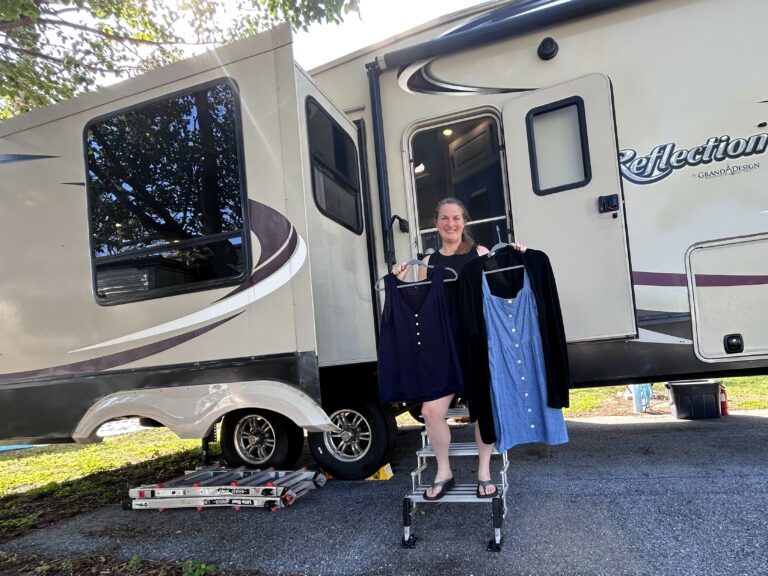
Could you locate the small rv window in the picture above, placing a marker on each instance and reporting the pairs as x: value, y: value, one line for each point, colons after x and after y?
x: 557, y: 140
x: 335, y: 180
x: 166, y: 196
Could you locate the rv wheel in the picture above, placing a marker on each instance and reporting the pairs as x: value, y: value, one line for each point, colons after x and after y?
x: 260, y: 439
x: 363, y: 444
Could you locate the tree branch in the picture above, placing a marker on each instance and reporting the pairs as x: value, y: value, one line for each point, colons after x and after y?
x: 84, y: 28
x: 20, y: 23
x: 32, y: 53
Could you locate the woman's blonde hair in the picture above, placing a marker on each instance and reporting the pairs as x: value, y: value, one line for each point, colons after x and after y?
x: 467, y: 242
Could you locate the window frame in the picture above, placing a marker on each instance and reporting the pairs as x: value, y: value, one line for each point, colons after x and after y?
x: 244, y: 232
x: 330, y: 171
x: 578, y: 101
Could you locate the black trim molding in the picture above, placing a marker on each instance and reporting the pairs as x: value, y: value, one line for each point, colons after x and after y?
x: 50, y: 409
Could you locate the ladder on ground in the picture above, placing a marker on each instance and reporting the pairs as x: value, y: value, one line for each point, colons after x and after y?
x: 464, y: 493
x: 215, y: 487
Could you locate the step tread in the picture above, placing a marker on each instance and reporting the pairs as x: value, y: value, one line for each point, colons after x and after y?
x: 459, y: 493
x: 455, y: 449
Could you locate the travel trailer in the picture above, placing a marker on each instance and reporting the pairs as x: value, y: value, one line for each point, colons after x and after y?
x: 201, y: 243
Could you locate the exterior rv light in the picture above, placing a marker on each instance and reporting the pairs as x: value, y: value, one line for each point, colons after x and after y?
x: 447, y: 132
x: 419, y: 169
x: 548, y: 48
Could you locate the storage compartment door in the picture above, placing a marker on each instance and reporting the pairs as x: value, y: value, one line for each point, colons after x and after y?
x: 567, y: 200
x: 728, y: 290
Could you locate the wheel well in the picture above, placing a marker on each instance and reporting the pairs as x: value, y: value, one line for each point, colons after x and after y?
x: 351, y: 380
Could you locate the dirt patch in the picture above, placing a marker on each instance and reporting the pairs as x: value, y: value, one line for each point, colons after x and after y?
x: 20, y: 564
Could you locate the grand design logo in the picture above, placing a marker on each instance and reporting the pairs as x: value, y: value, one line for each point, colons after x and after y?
x: 665, y: 158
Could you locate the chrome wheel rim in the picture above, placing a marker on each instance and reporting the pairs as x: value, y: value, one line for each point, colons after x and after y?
x: 255, y: 439
x: 353, y: 439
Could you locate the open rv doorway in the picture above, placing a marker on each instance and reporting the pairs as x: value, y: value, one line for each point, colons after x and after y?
x: 460, y: 158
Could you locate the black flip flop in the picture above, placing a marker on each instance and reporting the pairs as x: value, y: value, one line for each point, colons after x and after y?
x: 484, y: 484
x: 445, y: 485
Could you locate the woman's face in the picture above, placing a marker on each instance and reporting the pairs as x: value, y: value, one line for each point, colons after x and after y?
x: 450, y: 223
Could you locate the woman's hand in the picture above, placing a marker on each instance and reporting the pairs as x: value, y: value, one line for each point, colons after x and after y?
x: 519, y: 247
x: 400, y: 270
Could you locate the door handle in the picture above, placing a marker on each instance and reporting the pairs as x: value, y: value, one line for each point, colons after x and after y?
x: 608, y: 203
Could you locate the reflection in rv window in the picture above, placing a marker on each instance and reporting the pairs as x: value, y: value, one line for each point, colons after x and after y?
x: 335, y: 180
x: 165, y: 196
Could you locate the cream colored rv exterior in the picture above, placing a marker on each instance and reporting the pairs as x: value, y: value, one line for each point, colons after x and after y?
x: 624, y: 138
x: 653, y: 289
x: 248, y: 351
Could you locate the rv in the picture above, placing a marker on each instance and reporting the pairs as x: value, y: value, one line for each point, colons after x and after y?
x: 201, y: 244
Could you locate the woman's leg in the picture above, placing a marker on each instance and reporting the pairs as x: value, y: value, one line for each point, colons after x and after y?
x: 484, y: 461
x: 434, y: 412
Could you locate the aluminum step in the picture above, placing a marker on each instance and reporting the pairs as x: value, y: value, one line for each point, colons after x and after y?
x: 459, y: 493
x: 454, y: 449
x: 457, y: 413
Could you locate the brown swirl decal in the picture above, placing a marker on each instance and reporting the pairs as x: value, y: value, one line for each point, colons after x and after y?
x: 116, y: 359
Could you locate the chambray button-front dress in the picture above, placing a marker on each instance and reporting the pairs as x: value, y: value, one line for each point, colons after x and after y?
x: 518, y: 375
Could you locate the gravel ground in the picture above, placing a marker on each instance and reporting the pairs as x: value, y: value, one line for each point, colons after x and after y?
x: 630, y: 495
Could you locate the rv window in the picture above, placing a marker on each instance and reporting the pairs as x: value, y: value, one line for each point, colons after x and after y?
x: 166, y: 200
x: 559, y: 151
x: 335, y: 181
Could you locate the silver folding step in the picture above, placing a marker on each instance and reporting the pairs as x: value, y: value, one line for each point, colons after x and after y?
x: 465, y: 493
x: 214, y: 487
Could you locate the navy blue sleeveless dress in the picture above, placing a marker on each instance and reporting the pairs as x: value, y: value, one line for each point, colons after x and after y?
x: 418, y: 353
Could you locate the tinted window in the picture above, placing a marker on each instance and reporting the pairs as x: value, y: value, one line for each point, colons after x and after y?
x: 166, y: 197
x: 335, y: 180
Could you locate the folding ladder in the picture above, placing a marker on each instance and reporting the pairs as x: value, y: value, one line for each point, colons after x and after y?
x: 213, y: 487
x: 465, y: 493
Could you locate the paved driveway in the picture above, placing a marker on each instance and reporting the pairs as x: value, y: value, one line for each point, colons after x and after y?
x: 641, y: 495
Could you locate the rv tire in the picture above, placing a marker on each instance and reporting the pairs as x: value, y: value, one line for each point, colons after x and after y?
x: 260, y: 439
x: 362, y: 446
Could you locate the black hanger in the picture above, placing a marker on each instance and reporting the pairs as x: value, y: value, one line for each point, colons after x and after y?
x: 492, y: 253
x: 416, y: 262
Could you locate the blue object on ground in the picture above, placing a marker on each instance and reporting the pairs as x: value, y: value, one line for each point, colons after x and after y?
x: 641, y: 397
x: 15, y: 447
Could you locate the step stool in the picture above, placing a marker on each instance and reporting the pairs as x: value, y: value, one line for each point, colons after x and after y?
x: 459, y: 493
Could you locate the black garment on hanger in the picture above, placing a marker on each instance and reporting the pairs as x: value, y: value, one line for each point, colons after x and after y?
x: 474, y: 346
x: 418, y: 354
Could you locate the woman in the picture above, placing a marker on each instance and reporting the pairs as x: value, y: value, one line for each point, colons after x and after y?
x: 456, y: 249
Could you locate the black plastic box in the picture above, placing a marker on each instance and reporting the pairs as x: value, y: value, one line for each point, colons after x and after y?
x: 694, y: 399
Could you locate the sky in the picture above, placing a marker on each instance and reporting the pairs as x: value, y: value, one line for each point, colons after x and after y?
x: 378, y: 20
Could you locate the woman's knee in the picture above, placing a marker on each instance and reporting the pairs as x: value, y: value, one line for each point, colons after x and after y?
x: 433, y: 413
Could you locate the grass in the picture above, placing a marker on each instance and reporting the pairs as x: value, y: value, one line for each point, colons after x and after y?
x: 42, y: 485
x: 36, y: 468
x: 744, y: 393
x: 135, y: 566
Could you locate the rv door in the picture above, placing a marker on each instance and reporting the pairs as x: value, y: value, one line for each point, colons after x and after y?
x: 567, y: 200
